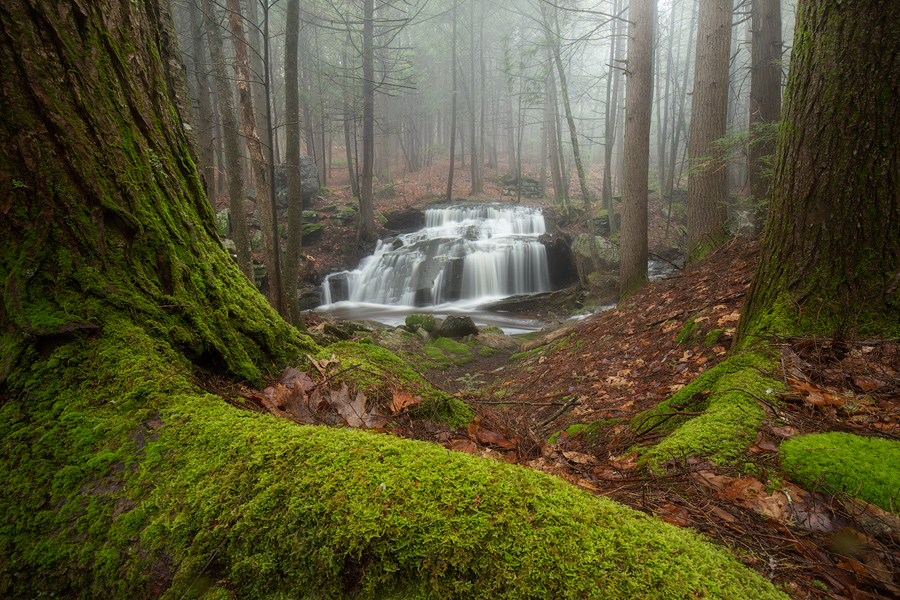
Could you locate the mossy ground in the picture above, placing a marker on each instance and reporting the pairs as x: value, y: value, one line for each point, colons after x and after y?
x: 113, y: 481
x: 864, y: 467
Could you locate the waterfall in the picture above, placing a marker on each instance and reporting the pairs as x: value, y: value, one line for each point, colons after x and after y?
x: 465, y: 254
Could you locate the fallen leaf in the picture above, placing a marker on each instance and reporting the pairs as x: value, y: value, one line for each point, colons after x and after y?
x: 492, y: 438
x: 401, y: 399
x: 784, y: 432
x: 462, y: 445
x: 866, y: 384
x: 579, y: 458
x: 676, y: 515
x: 729, y: 318
x: 587, y: 485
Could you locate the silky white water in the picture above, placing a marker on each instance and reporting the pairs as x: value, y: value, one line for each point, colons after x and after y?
x: 463, y: 257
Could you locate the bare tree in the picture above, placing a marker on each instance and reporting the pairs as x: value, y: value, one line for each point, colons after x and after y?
x: 765, y: 96
x: 265, y: 203
x: 638, y: 108
x: 292, y: 163
x: 707, y: 193
x: 232, y: 142
x: 366, y: 198
x: 452, y: 109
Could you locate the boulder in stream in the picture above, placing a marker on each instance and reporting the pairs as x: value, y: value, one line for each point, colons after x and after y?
x: 454, y: 326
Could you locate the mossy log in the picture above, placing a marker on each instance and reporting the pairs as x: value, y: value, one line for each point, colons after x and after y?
x: 122, y: 478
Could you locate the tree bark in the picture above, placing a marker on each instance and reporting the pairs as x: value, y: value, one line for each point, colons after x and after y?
x: 638, y: 109
x: 707, y: 195
x: 205, y: 121
x: 831, y: 257
x: 573, y: 134
x: 292, y: 162
x: 559, y: 192
x: 257, y: 70
x: 475, y: 165
x: 765, y: 97
x: 612, y: 101
x: 265, y: 207
x: 366, y: 197
x: 231, y: 141
x: 452, y: 108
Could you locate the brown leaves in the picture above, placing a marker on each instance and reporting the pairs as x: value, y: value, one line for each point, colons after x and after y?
x: 787, y: 503
x: 297, y: 397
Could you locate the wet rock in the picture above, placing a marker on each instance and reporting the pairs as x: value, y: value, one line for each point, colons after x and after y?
x: 454, y: 326
x: 498, y: 341
x: 405, y: 220
x: 559, y: 260
x: 223, y: 222
x: 586, y: 262
x: 309, y: 182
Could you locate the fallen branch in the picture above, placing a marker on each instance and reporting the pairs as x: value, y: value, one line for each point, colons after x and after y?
x: 574, y: 400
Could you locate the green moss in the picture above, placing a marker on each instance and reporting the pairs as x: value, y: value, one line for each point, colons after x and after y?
x: 417, y: 321
x: 687, y: 331
x: 587, y: 431
x: 730, y: 416
x: 451, y: 346
x: 436, y: 355
x: 864, y: 467
x: 486, y: 351
x: 713, y: 337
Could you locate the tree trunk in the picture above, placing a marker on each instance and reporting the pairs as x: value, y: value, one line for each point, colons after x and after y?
x: 510, y: 135
x: 257, y: 70
x: 612, y: 101
x: 366, y: 197
x: 452, y: 109
x: 292, y: 162
x: 573, y: 134
x: 559, y: 192
x: 232, y: 143
x: 678, y: 115
x: 765, y: 98
x: 638, y: 108
x: 264, y: 202
x: 707, y: 195
x: 831, y: 257
x: 205, y: 121
x: 475, y: 165
x: 662, y: 115
x: 348, y: 141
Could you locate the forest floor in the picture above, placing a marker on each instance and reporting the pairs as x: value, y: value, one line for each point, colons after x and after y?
x: 533, y: 408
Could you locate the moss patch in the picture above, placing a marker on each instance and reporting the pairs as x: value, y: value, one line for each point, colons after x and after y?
x: 452, y: 346
x: 730, y: 416
x: 864, y: 467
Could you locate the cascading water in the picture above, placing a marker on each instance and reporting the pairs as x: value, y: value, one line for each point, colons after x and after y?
x: 464, y: 256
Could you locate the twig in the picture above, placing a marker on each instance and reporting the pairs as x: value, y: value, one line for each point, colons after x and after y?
x: 511, y: 403
x: 572, y: 402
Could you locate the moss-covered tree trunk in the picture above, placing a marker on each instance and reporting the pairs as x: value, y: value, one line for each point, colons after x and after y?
x: 102, y: 209
x: 831, y: 259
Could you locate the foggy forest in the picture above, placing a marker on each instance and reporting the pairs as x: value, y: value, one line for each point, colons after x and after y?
x: 450, y: 299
